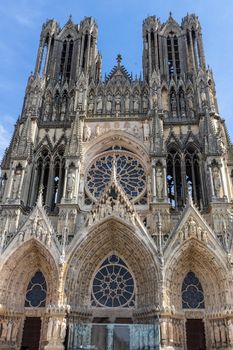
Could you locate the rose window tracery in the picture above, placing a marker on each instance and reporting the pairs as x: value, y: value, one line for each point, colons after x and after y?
x: 130, y: 174
x: 113, y: 285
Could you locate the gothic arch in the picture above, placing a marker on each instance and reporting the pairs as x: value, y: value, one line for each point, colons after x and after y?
x: 18, y: 269
x: 112, y: 235
x: 194, y: 255
x: 116, y: 138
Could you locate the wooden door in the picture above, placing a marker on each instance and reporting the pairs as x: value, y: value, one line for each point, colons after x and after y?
x: 31, y: 333
x: 195, y: 334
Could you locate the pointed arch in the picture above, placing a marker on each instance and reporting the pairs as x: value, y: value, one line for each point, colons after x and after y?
x: 20, y: 265
x: 114, y: 237
x: 194, y: 255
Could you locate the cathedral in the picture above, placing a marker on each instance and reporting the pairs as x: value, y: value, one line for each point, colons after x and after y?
x: 116, y: 199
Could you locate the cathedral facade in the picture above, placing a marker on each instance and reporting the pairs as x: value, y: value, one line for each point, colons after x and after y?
x: 117, y: 199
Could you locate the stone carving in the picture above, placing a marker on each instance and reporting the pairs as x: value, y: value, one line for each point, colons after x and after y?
x: 70, y: 183
x: 91, y: 103
x: 182, y: 105
x: 16, y: 182
x: 146, y: 130
x: 86, y: 133
x: 99, y: 104
x: 159, y: 181
x: 173, y: 105
x: 109, y: 104
x: 127, y: 102
x: 217, y: 182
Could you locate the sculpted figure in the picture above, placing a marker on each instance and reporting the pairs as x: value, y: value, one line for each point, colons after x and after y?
x: 99, y: 105
x: 86, y: 133
x: 127, y: 102
x: 118, y: 104
x: 109, y: 103
x: 173, y: 105
x: 182, y: 104
x: 136, y: 103
x: 146, y: 130
x: 217, y: 182
x: 16, y: 183
x: 63, y: 329
x: 159, y: 181
x: 70, y: 183
x: 145, y: 102
x: 91, y: 104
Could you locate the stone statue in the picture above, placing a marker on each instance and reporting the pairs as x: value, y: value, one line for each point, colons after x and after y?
x: 182, y: 104
x: 109, y: 103
x: 190, y: 104
x: 216, y: 182
x: 159, y: 181
x: 86, y: 133
x: 4, y: 330
x: 136, y: 103
x: 63, y: 329
x: 146, y: 130
x: 16, y: 183
x: 80, y: 96
x: 70, y: 183
x: 91, y: 104
x: 63, y: 107
x: 173, y: 105
x: 144, y: 102
x: 118, y: 104
x: 71, y: 106
x: 99, y: 103
x: 127, y: 102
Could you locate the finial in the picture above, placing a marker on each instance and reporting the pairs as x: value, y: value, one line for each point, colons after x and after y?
x: 70, y: 18
x: 170, y: 14
x: 119, y: 59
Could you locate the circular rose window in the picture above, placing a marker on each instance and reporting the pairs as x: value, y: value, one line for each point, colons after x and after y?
x: 113, y: 285
x: 130, y: 174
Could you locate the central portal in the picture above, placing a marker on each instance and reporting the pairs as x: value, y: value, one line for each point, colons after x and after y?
x: 114, y: 337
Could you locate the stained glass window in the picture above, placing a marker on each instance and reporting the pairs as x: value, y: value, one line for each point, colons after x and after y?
x: 192, y: 292
x: 113, y: 285
x: 130, y: 174
x: 36, y: 291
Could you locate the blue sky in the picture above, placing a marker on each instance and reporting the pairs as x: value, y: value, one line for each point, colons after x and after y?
x: 120, y: 28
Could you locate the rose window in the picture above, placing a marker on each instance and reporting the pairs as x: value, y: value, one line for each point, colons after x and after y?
x: 113, y: 285
x: 192, y: 292
x: 130, y: 174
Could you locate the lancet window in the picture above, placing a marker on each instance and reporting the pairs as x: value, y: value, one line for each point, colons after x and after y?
x: 184, y: 175
x: 173, y: 55
x: 48, y: 176
x: 192, y: 292
x: 66, y: 58
x: 36, y: 291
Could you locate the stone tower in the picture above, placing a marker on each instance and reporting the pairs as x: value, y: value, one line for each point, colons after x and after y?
x: 116, y: 199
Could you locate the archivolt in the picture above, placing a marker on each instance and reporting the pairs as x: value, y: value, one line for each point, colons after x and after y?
x: 195, y: 256
x: 112, y: 237
x: 116, y: 138
x: 19, y: 269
